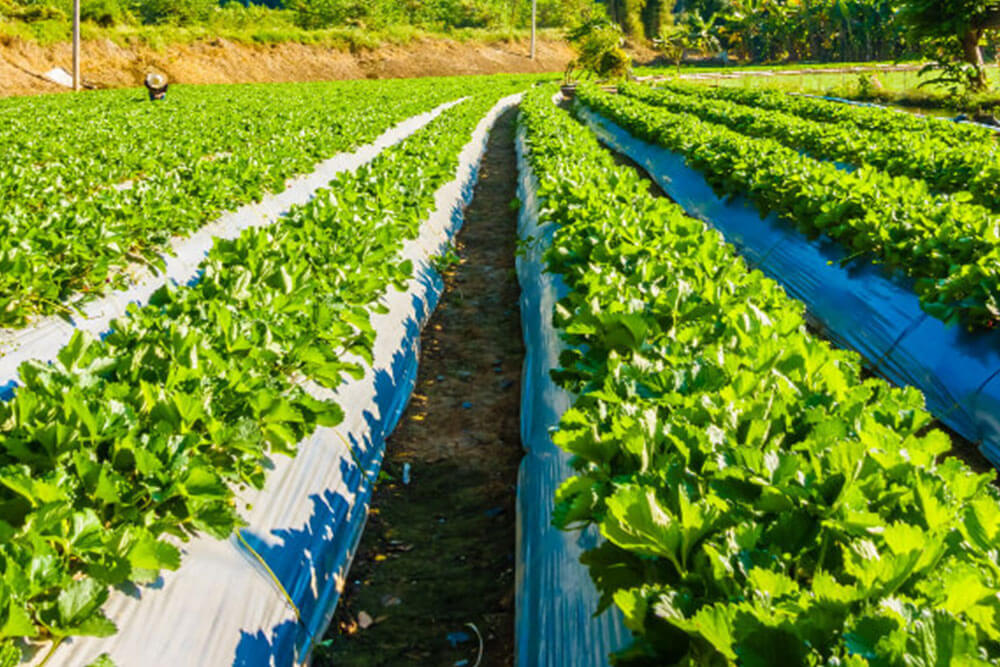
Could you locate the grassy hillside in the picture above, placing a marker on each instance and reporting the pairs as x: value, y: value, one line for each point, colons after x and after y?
x: 344, y: 24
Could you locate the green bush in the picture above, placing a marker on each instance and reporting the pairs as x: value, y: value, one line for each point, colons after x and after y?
x: 177, y: 12
x: 36, y: 12
x: 270, y: 18
x: 332, y: 13
x: 255, y: 19
x: 104, y: 13
x: 436, y: 14
x: 598, y: 46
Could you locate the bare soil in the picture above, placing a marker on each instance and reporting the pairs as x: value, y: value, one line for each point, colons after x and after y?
x: 436, y: 561
x: 109, y: 65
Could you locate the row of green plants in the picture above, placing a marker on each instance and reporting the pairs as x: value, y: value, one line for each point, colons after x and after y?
x: 68, y: 232
x: 761, y: 502
x: 98, y: 139
x: 944, y: 166
x: 863, y: 117
x: 950, y: 248
x: 122, y: 448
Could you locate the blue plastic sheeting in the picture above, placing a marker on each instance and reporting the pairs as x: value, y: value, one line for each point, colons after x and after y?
x: 857, y: 306
x: 556, y: 598
x: 222, y: 606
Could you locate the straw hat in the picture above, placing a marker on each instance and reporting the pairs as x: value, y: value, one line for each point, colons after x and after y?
x: 155, y: 80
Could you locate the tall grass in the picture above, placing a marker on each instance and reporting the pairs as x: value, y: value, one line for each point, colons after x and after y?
x: 273, y: 29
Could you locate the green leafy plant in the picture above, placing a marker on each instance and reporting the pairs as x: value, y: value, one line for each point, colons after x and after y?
x: 109, y: 183
x: 869, y: 86
x: 946, y: 244
x: 447, y: 261
x: 122, y: 448
x: 760, y: 502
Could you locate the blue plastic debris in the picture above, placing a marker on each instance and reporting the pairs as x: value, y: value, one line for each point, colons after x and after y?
x: 456, y: 638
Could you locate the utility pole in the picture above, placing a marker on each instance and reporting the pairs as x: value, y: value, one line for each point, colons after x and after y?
x: 76, y: 44
x: 533, y: 15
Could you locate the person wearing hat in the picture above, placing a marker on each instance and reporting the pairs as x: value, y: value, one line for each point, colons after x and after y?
x: 156, y: 84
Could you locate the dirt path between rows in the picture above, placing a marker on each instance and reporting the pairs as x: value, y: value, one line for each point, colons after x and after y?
x: 438, y: 553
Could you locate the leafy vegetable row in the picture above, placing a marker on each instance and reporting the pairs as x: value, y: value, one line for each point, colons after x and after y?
x: 126, y: 446
x: 83, y: 233
x: 99, y: 139
x: 945, y: 166
x: 761, y: 502
x: 203, y: 151
x: 863, y: 117
x: 949, y: 247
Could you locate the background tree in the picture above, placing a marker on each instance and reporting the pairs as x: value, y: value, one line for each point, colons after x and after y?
x: 655, y: 15
x: 628, y: 14
x: 672, y: 41
x: 703, y: 32
x: 954, y: 29
x: 598, y: 44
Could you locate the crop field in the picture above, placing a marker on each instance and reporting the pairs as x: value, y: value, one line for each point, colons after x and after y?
x: 770, y: 463
x: 122, y: 446
x: 110, y: 182
x: 810, y: 78
x: 890, y: 208
x: 762, y: 501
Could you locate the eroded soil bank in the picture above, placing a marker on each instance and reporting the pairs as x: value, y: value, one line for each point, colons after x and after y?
x: 436, y: 562
x: 109, y: 65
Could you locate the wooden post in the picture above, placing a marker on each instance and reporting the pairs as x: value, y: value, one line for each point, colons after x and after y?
x: 533, y: 14
x: 76, y: 44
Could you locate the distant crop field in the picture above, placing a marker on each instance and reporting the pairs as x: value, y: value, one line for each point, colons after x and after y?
x: 884, y: 82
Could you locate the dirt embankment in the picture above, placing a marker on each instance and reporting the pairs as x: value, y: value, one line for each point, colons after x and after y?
x: 108, y: 65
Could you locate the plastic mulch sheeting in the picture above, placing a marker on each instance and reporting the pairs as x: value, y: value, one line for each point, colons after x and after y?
x: 858, y: 306
x: 222, y: 607
x: 556, y: 598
